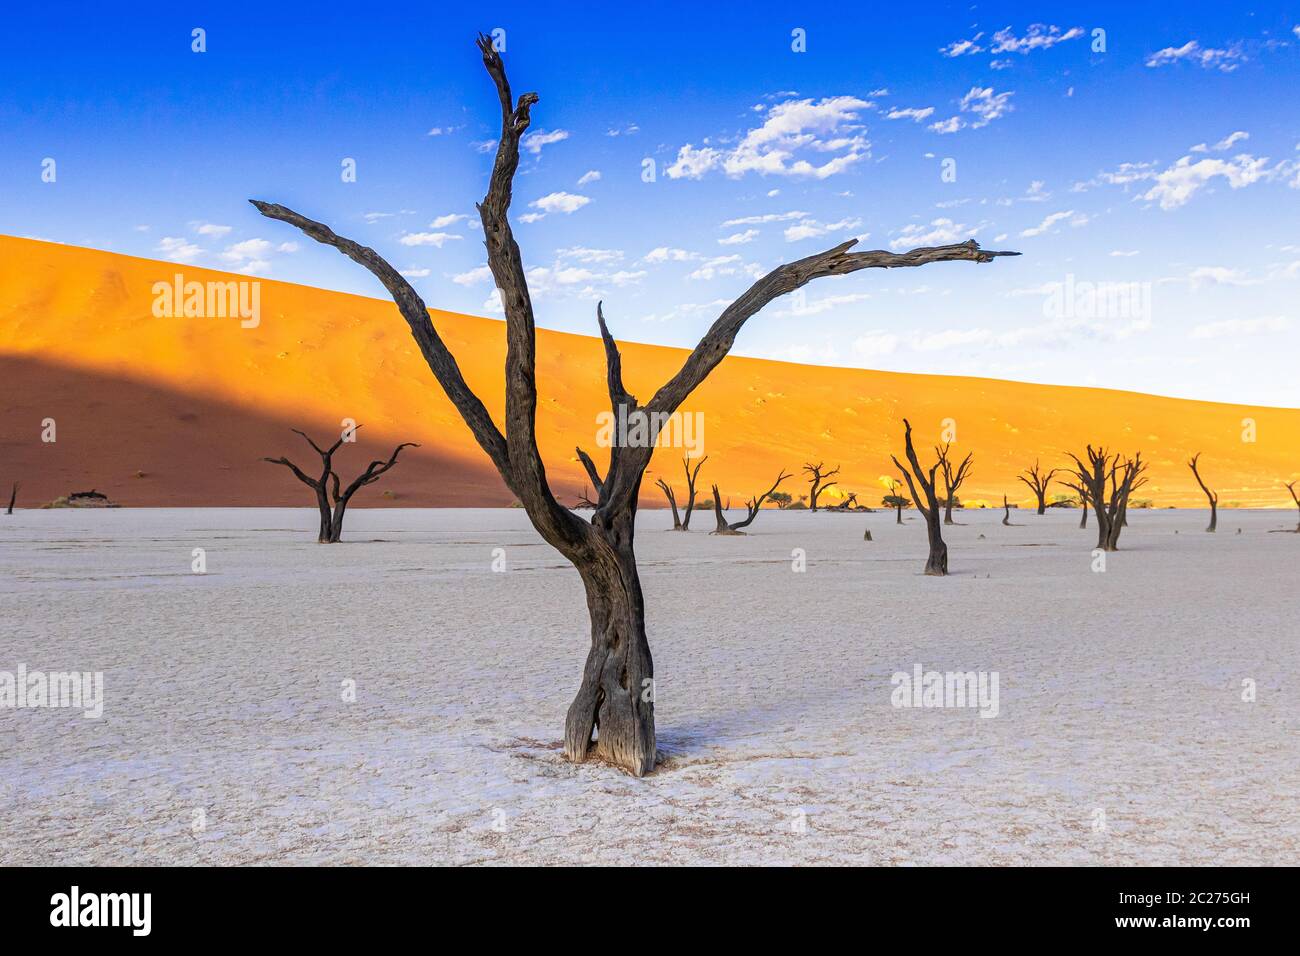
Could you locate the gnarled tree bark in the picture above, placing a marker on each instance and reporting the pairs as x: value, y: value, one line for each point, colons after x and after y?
x: 1037, y: 482
x: 819, y: 481
x: 952, y: 478
x: 615, y: 698
x: 1211, y: 496
x: 937, y: 563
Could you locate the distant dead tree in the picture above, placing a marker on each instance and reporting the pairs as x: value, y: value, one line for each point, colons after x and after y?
x: 683, y: 523
x: 751, y: 506
x: 1138, y: 481
x: 584, y: 500
x: 1080, y: 489
x: 667, y: 489
x: 1212, y: 496
x: 1120, y: 473
x: 820, y: 481
x: 952, y: 478
x: 848, y: 504
x: 328, y: 485
x: 612, y: 695
x: 937, y: 563
x: 896, y: 501
x: 1006, y: 509
x: 1290, y: 486
x: 13, y: 496
x: 1037, y: 482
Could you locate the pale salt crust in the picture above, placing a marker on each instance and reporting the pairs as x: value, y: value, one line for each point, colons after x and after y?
x: 1119, y: 692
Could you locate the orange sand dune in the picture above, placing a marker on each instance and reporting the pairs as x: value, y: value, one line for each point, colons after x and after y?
x: 181, y: 398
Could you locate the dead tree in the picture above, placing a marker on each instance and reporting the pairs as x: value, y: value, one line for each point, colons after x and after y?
x: 1290, y: 486
x: 672, y: 501
x: 1080, y: 489
x: 820, y: 481
x: 1006, y: 511
x: 1212, y: 496
x: 1120, y: 473
x: 1137, y: 483
x: 615, y: 696
x: 952, y: 479
x: 1037, y: 481
x: 895, y: 500
x: 848, y: 504
x: 937, y: 563
x: 13, y: 496
x: 752, y: 506
x: 328, y: 484
x: 691, y: 475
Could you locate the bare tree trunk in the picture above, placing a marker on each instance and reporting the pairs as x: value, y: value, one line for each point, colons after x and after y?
x: 616, y: 696
x: 691, y: 476
x: 13, y: 496
x: 672, y: 501
x: 820, y: 481
x: 952, y: 479
x: 898, y: 513
x: 1037, y: 482
x: 752, y: 506
x: 330, y: 530
x: 1006, y: 517
x: 1083, y: 516
x: 1290, y: 487
x: 1094, y: 476
x: 1211, y: 496
x: 937, y: 562
x: 601, y: 550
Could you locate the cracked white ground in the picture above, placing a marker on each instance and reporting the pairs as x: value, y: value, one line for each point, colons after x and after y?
x: 1120, y: 692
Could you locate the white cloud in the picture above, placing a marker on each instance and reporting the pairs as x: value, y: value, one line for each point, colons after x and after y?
x: 473, y: 276
x: 666, y: 254
x: 984, y: 103
x: 427, y: 238
x: 583, y: 254
x: 1037, y: 37
x: 718, y: 265
x: 484, y: 145
x: 963, y: 47
x: 811, y: 228
x: 739, y: 238
x: 912, y: 113
x: 535, y: 140
x: 1238, y: 327
x: 560, y: 202
x: 255, y: 249
x: 1177, y: 184
x: 178, y: 249
x: 212, y: 229
x: 414, y: 273
x: 1209, y: 58
x: 825, y: 304
x: 1124, y: 253
x: 938, y: 232
x: 1218, y: 275
x: 1222, y: 145
x: 442, y: 222
x: 1052, y: 220
x: 820, y: 126
x: 590, y: 176
x: 766, y: 218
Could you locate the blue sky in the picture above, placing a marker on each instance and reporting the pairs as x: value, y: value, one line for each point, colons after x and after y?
x: 1162, y: 162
